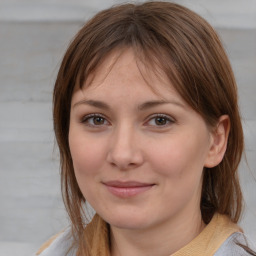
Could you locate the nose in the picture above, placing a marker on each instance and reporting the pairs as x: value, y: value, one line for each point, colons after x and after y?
x: 124, y: 149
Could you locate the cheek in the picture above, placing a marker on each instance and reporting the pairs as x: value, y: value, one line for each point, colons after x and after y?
x: 180, y: 156
x: 179, y: 165
x: 87, y: 154
x: 87, y: 159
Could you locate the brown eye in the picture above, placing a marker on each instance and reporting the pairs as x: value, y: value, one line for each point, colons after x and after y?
x: 94, y: 120
x: 98, y: 120
x: 160, y: 120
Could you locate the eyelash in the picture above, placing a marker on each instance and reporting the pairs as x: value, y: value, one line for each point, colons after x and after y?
x: 86, y: 119
x: 167, y: 119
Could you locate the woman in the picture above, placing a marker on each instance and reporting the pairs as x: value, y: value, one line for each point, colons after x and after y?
x: 149, y: 132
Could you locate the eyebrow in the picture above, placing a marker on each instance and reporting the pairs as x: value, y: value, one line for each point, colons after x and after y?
x: 143, y: 106
x: 151, y: 104
x: 94, y: 103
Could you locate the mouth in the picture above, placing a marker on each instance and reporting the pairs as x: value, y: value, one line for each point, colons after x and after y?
x: 128, y: 188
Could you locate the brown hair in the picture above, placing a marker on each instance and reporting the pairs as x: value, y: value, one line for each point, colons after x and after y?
x: 190, y: 53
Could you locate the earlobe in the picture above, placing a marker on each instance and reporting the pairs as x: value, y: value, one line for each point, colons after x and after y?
x: 219, y: 140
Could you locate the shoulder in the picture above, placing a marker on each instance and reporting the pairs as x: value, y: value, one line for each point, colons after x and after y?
x: 58, y: 245
x: 234, y: 245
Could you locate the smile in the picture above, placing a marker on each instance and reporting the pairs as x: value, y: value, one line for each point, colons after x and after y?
x: 127, y: 189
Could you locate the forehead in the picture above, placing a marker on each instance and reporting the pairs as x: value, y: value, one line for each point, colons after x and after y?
x: 124, y: 66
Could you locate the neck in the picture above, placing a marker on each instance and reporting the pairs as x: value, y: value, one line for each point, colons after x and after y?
x: 164, y: 239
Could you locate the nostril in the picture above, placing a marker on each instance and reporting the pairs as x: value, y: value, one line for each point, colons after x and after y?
x: 125, y: 160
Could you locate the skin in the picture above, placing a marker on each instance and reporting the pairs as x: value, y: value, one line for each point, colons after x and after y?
x: 117, y: 135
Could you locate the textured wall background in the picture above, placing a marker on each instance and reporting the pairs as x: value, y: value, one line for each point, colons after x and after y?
x: 33, y: 38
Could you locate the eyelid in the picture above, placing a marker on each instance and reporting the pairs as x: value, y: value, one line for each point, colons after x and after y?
x: 167, y: 117
x: 85, y: 118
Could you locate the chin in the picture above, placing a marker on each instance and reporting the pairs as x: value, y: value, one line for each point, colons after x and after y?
x: 126, y: 221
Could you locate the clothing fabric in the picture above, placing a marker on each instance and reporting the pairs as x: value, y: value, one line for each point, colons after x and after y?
x: 220, y: 237
x: 57, y: 245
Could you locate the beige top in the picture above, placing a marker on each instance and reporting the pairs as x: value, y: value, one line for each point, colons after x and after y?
x: 211, y: 238
x: 207, y: 242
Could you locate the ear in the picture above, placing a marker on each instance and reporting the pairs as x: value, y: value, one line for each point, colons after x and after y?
x: 218, y: 142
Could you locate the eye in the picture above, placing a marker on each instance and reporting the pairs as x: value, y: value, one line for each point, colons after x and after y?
x: 94, y: 120
x: 160, y: 120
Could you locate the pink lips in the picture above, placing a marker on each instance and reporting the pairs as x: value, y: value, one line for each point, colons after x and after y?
x: 127, y: 189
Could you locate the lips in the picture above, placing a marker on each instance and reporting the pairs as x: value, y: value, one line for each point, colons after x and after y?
x: 128, y: 188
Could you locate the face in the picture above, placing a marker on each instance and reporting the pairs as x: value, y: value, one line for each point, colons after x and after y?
x: 138, y: 153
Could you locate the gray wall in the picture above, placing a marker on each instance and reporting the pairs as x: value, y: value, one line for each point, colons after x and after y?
x: 33, y: 38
